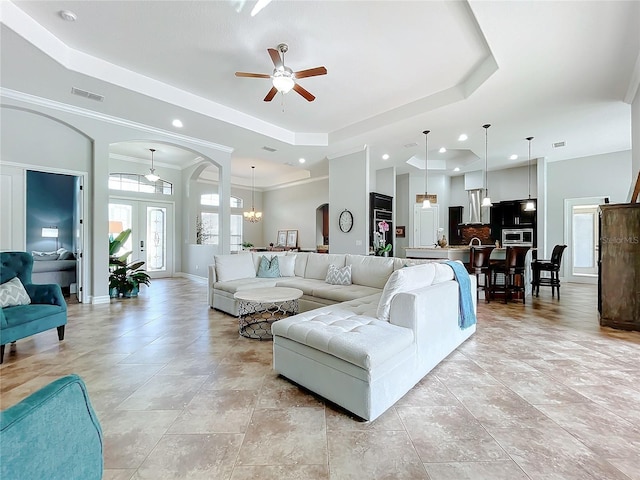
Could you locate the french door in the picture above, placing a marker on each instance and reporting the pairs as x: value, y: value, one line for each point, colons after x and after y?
x: 151, y: 239
x: 581, y: 234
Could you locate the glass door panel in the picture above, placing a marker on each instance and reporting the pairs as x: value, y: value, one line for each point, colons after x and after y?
x: 585, y: 240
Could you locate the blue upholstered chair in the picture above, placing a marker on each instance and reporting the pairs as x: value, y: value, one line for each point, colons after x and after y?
x: 47, y: 308
x: 52, y: 434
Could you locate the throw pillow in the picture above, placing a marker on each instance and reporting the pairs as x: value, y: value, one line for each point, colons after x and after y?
x: 13, y: 294
x: 67, y: 255
x: 287, y: 264
x: 46, y: 257
x: 338, y: 276
x: 269, y: 268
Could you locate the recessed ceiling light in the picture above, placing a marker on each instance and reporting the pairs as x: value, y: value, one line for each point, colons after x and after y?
x: 301, y: 160
x: 462, y: 137
x: 442, y: 150
x: 457, y: 169
x: 385, y: 156
x: 177, y: 123
x: 68, y: 15
x: 513, y: 157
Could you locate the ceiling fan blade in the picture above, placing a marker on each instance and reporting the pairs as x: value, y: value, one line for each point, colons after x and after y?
x: 311, y: 72
x: 304, y: 93
x: 271, y: 94
x: 252, y: 75
x: 275, y: 57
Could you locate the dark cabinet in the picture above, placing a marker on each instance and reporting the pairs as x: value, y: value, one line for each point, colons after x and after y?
x: 455, y: 219
x: 381, y: 208
x: 511, y: 214
x: 619, y: 266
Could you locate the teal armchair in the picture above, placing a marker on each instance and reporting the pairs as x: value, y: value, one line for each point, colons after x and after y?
x: 47, y: 310
x: 53, y: 434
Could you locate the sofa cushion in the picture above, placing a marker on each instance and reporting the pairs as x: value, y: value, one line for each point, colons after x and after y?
x: 318, y: 264
x: 404, y: 280
x: 287, y: 265
x: 307, y: 285
x: 360, y: 340
x: 301, y: 263
x: 233, y: 286
x: 22, y: 314
x: 443, y: 272
x: 12, y: 293
x: 338, y: 276
x: 269, y: 268
x: 46, y: 257
x: 233, y: 267
x: 369, y: 270
x: 343, y: 293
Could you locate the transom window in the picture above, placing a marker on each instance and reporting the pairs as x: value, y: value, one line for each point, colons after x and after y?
x: 213, y: 200
x: 132, y: 182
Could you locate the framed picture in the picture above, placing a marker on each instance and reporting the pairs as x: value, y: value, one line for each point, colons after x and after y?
x: 400, y: 231
x: 282, y: 238
x: 292, y: 238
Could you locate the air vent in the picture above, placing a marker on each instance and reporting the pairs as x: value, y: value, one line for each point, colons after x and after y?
x: 269, y: 149
x: 558, y: 144
x: 86, y: 94
x: 410, y: 145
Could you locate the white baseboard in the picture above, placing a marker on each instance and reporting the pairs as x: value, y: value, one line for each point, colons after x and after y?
x: 100, y: 299
x: 191, y: 276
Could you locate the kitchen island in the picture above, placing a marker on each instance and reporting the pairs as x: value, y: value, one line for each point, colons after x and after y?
x: 436, y: 253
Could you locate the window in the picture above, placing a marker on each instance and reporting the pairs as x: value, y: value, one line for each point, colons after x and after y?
x: 213, y: 200
x: 132, y: 182
x: 208, y: 230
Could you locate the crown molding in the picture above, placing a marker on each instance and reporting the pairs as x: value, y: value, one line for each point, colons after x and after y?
x: 101, y: 117
x: 142, y: 161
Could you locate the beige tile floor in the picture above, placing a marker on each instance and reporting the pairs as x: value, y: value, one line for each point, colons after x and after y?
x: 539, y: 392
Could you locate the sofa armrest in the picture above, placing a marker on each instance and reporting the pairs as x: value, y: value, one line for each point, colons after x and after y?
x: 53, y: 433
x: 426, y: 309
x: 211, y: 280
x: 49, y: 294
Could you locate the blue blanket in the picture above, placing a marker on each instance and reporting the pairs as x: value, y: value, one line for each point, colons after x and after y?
x: 466, y: 316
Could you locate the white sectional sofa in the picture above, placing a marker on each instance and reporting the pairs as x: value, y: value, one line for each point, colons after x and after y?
x: 361, y: 346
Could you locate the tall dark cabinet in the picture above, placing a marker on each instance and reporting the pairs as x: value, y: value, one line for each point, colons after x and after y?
x: 381, y: 208
x: 455, y: 219
x: 619, y: 266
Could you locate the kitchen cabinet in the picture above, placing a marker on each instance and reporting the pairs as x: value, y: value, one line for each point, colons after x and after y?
x: 511, y: 214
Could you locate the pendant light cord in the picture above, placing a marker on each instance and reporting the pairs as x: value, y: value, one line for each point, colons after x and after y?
x: 486, y: 155
x: 253, y: 187
x: 529, y: 165
x: 426, y: 161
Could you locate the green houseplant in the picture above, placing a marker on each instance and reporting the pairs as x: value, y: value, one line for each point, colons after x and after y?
x: 124, y: 278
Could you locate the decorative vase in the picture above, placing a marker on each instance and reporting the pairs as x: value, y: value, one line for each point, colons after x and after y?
x: 131, y: 293
x: 442, y: 242
x: 114, y: 293
x: 385, y: 254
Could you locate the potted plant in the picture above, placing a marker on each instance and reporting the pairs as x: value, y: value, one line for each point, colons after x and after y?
x: 124, y: 278
x: 247, y: 245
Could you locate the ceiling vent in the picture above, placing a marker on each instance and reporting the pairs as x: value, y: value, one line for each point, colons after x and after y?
x: 410, y: 145
x: 269, y: 149
x: 86, y: 94
x: 558, y: 144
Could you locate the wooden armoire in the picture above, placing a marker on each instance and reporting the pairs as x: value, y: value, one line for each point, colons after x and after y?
x: 619, y: 266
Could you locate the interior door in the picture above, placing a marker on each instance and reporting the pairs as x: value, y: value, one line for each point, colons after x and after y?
x: 151, y: 237
x: 580, y: 259
x: 425, y: 225
x: 78, y: 221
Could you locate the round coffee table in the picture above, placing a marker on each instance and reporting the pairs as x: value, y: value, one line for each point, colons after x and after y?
x: 260, y: 307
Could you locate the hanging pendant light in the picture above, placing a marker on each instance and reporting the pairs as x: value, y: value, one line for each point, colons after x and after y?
x: 486, y: 201
x: 530, y: 206
x: 151, y: 176
x: 252, y: 216
x: 425, y: 202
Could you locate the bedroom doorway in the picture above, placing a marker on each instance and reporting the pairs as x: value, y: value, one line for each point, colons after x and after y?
x: 151, y: 239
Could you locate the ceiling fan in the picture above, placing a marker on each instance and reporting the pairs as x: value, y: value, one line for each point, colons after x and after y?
x: 283, y: 78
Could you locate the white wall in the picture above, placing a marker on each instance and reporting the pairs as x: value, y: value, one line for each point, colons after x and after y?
x: 349, y: 189
x: 402, y: 214
x: 595, y: 176
x: 294, y: 208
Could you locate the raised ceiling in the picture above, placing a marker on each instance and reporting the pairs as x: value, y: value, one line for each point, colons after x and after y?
x: 559, y: 71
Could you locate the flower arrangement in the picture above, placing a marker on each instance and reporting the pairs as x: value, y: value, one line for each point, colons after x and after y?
x: 379, y: 244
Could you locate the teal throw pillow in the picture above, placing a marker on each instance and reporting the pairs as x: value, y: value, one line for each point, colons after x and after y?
x: 269, y: 268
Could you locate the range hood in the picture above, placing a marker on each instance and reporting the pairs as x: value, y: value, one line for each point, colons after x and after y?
x: 475, y: 208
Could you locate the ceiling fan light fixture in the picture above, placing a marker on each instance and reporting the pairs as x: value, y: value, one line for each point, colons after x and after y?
x: 283, y: 81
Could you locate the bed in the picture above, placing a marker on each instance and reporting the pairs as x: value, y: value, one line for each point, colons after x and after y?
x: 54, y: 267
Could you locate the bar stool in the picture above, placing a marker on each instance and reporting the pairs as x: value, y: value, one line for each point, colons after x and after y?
x: 513, y: 269
x: 553, y: 267
x: 479, y: 261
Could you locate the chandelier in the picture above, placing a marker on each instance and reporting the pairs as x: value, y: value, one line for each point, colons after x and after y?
x: 252, y: 216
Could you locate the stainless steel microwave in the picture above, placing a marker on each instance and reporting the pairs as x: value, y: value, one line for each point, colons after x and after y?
x: 517, y: 237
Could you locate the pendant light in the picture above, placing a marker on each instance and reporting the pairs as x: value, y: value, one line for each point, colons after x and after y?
x: 252, y: 216
x: 151, y: 176
x: 530, y: 206
x: 425, y: 202
x: 486, y: 201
